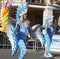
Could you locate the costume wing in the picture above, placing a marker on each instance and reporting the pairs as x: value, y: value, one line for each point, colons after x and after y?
x: 9, y: 26
x: 38, y: 34
x: 12, y: 38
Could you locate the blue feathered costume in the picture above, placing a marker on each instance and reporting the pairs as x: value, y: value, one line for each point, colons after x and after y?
x: 48, y: 36
x: 19, y: 31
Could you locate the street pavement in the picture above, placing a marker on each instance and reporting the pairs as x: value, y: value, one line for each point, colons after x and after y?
x: 31, y: 54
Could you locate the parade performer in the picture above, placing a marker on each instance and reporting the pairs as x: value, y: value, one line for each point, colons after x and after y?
x: 44, y: 35
x: 48, y: 36
x: 20, y: 31
x: 20, y: 34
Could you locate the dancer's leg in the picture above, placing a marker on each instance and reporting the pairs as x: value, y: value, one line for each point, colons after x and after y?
x: 47, y: 46
x: 23, y: 49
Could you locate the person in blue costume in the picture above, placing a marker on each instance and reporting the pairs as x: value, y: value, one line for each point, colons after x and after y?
x: 20, y: 30
x: 48, y: 36
x: 21, y: 33
x: 50, y: 30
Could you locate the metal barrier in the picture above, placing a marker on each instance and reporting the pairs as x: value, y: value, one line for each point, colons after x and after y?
x: 4, y: 42
x: 34, y: 44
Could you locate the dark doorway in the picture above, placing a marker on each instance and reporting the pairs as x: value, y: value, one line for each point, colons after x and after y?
x: 39, y: 19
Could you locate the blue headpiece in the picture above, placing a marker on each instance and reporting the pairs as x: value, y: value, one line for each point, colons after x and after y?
x: 21, y: 10
x: 49, y: 19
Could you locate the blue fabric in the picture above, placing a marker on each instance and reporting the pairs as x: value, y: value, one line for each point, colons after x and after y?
x: 48, y: 35
x: 50, y: 31
x: 21, y: 33
x: 15, y: 48
x: 23, y: 51
x: 46, y: 40
x: 47, y: 43
x: 19, y: 40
